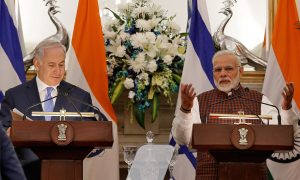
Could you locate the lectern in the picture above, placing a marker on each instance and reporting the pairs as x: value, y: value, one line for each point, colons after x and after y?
x: 237, y: 146
x: 62, y: 145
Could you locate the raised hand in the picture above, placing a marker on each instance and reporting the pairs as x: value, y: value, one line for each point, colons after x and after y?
x: 287, y: 94
x: 187, y: 97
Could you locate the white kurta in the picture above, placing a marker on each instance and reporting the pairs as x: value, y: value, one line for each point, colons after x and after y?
x: 183, y: 122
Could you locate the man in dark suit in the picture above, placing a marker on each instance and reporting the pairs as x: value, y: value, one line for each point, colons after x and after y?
x: 10, y: 167
x: 49, y: 63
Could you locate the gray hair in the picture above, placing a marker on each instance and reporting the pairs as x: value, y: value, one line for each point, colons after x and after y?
x: 40, y: 49
x: 227, y: 52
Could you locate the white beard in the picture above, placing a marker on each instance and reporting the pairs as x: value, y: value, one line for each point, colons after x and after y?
x: 226, y: 88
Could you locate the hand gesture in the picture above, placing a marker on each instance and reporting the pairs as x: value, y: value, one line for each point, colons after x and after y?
x: 187, y: 97
x: 287, y: 94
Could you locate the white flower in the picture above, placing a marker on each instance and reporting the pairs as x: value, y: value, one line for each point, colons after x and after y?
x: 131, y: 94
x: 168, y: 59
x: 128, y: 83
x: 157, y: 10
x: 109, y: 34
x: 141, y: 1
x: 152, y: 66
x: 125, y: 7
x: 111, y: 23
x: 151, y: 51
x: 174, y: 28
x: 121, y: 51
x: 140, y: 57
x: 138, y: 64
x: 140, y: 11
x: 116, y: 48
x: 153, y: 41
x: 173, y: 49
x: 154, y: 22
x: 146, y: 41
x: 162, y: 42
x: 124, y: 36
x: 150, y: 36
x: 138, y: 39
x: 110, y: 68
x: 144, y: 25
x: 144, y: 77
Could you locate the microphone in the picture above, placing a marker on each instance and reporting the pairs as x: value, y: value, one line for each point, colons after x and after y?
x: 77, y: 110
x: 37, y: 104
x: 278, y: 112
x: 240, y: 96
x: 229, y: 98
x: 232, y: 96
x: 66, y: 94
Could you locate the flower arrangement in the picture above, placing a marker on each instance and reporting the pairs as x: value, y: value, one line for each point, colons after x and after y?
x: 145, y: 54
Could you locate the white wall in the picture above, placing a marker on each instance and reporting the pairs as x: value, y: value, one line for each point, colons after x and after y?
x: 247, y: 24
x: 36, y: 23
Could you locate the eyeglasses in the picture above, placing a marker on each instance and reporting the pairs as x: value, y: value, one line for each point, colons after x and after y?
x: 227, y: 69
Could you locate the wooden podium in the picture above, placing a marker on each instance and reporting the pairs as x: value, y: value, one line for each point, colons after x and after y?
x: 237, y: 148
x: 62, y: 145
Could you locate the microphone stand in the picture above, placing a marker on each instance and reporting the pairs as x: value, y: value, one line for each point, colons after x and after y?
x: 252, y: 111
x: 72, y: 99
x: 215, y: 103
x: 101, y: 117
x: 278, y: 112
x: 35, y: 105
x: 77, y: 110
x: 239, y: 96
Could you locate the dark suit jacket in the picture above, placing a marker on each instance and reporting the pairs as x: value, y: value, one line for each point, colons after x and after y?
x: 10, y: 166
x: 26, y: 95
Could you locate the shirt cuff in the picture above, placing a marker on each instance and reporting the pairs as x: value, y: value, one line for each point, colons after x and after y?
x: 289, y: 115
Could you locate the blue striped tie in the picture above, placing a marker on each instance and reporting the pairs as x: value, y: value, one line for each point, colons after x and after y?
x: 49, y: 105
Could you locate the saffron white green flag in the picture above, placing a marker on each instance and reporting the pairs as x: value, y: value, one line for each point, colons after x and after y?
x: 283, y: 66
x: 87, y: 69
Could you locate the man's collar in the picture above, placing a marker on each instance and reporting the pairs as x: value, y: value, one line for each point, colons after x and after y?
x: 42, y: 86
x: 237, y: 90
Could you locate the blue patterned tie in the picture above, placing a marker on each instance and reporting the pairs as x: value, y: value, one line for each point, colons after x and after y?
x: 49, y: 105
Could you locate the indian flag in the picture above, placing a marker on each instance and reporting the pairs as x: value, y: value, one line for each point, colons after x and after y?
x: 283, y: 66
x: 87, y: 69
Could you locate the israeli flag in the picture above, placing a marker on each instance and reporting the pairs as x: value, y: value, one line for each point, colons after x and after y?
x: 11, y: 60
x: 197, y: 70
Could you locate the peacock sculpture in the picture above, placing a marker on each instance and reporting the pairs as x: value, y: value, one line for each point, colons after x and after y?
x: 61, y: 34
x: 224, y: 42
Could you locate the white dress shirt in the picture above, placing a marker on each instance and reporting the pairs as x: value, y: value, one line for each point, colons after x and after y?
x: 42, y: 90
